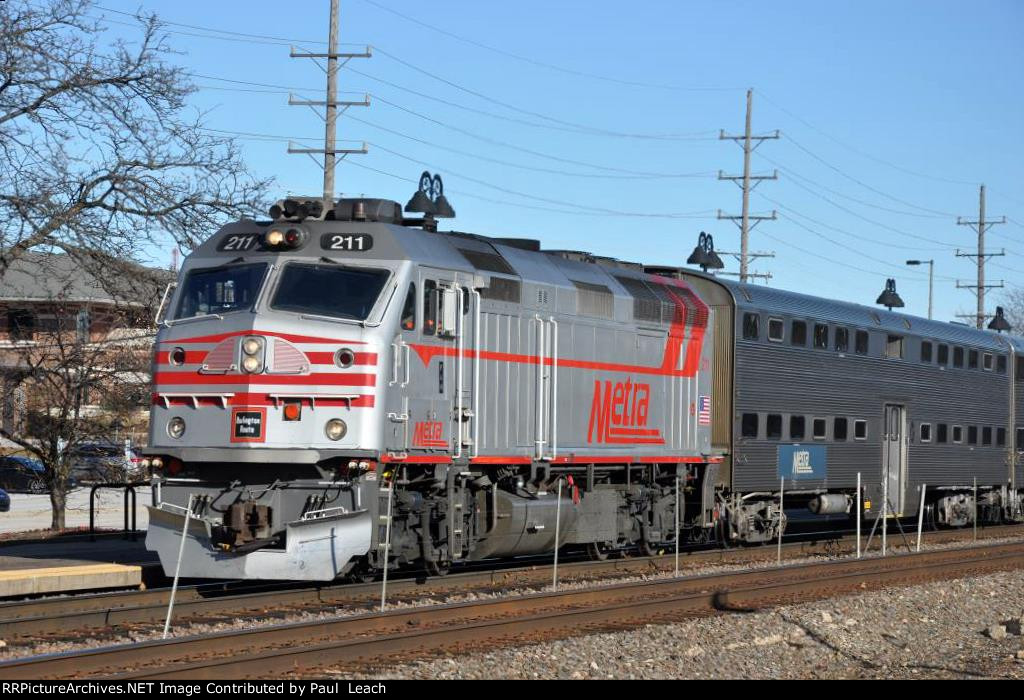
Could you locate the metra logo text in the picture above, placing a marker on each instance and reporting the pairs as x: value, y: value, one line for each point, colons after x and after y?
x: 429, y: 434
x: 619, y: 413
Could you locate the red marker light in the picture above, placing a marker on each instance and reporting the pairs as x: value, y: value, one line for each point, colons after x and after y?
x: 292, y: 411
x: 293, y: 237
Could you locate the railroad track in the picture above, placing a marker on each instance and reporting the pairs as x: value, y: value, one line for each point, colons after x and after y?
x: 25, y: 623
x: 360, y: 642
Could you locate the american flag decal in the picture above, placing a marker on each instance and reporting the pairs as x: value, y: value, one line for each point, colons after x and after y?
x: 704, y: 410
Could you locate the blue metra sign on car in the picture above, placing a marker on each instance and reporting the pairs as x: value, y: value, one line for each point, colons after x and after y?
x: 802, y: 462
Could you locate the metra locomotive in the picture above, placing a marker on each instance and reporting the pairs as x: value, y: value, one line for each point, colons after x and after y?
x: 323, y: 385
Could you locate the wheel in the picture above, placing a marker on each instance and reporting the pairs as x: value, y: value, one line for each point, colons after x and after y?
x: 437, y: 568
x: 598, y: 551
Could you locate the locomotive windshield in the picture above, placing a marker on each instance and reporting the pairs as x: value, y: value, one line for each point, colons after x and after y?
x: 220, y: 290
x: 329, y: 290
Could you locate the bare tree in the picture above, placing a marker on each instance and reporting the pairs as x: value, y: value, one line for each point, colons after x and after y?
x: 1013, y: 305
x: 82, y: 372
x: 98, y: 147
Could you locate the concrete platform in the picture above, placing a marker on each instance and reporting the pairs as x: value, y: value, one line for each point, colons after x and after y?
x: 68, y: 577
x: 72, y: 564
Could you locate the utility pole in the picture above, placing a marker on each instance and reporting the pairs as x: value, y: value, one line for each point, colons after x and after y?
x: 745, y: 218
x: 330, y: 151
x: 980, y: 226
x: 751, y: 257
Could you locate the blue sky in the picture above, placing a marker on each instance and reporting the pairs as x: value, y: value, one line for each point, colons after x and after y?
x: 594, y: 125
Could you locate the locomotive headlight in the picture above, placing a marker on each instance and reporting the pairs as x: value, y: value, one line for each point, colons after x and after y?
x: 251, y: 346
x: 176, y: 427
x: 335, y: 429
x: 274, y: 237
x: 251, y: 364
x: 157, y: 463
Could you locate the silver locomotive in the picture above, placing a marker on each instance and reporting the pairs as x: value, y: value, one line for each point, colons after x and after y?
x: 324, y: 384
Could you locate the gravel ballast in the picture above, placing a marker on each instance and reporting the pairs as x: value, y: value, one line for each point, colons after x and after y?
x: 936, y: 630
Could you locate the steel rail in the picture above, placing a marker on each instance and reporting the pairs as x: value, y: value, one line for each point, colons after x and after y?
x: 362, y: 638
x: 110, y: 610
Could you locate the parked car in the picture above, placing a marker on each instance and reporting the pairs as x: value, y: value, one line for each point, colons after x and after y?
x: 5, y: 501
x: 99, y: 462
x: 22, y: 474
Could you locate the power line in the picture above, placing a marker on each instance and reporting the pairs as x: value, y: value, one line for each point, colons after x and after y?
x: 503, y: 202
x: 859, y: 152
x: 542, y: 64
x: 860, y: 182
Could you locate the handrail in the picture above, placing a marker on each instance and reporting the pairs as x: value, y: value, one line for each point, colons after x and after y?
x: 475, y: 447
x: 540, y: 441
x: 459, y: 368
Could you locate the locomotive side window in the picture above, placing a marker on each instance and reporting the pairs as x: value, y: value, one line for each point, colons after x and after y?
x: 798, y: 333
x: 1000, y: 437
x: 773, y: 427
x: 429, y: 307
x: 926, y: 352
x: 972, y: 435
x: 839, y: 427
x: 926, y: 432
x: 861, y: 340
x: 958, y: 357
x: 860, y: 430
x: 842, y: 339
x: 749, y: 425
x: 821, y: 336
x: 941, y: 433
x: 331, y: 290
x: 894, y: 346
x: 220, y: 290
x: 796, y: 428
x: 751, y: 326
x: 943, y: 354
x: 986, y: 362
x: 820, y: 429
x: 776, y: 330
x: 958, y: 434
x: 409, y: 309
x: 972, y: 359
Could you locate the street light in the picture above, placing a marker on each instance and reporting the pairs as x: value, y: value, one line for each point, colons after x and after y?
x: 889, y: 298
x: 931, y: 277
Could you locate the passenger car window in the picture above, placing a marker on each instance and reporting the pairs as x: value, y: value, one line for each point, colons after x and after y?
x: 972, y: 435
x: 773, y: 427
x: 839, y: 429
x: 941, y: 433
x: 943, y: 354
x: 926, y: 352
x: 860, y: 430
x: 894, y: 346
x: 776, y: 330
x: 958, y: 434
x: 986, y: 435
x: 820, y: 429
x: 751, y: 326
x: 926, y: 432
x: 1000, y: 437
x: 798, y: 333
x: 972, y: 359
x: 958, y: 357
x: 749, y: 425
x: 821, y: 336
x: 986, y: 362
x: 842, y: 339
x: 862, y: 343
x: 796, y: 428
